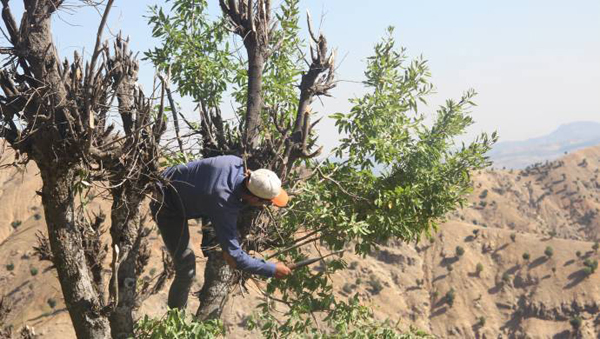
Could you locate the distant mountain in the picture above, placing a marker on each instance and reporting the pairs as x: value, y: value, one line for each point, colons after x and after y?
x: 567, y: 138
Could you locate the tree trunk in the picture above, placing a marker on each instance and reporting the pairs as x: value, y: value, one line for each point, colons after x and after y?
x: 125, y: 232
x: 76, y: 283
x: 215, y: 291
x: 256, y: 63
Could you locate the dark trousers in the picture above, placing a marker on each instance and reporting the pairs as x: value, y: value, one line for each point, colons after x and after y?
x: 175, y: 233
x: 173, y: 226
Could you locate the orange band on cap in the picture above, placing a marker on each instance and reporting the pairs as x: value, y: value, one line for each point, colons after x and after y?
x: 281, y: 199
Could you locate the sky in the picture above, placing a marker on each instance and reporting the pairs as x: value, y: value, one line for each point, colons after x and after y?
x: 534, y: 63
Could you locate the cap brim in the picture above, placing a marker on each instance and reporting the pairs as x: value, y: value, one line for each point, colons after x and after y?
x: 281, y: 199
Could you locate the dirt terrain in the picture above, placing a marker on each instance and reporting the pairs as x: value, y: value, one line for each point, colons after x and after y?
x: 512, y: 218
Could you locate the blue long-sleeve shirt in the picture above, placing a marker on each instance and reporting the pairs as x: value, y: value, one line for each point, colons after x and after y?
x: 211, y: 188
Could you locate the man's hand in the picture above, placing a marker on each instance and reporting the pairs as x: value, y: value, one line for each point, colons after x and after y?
x: 281, y: 271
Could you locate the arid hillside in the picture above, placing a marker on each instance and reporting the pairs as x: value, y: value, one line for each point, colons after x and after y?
x: 513, y: 263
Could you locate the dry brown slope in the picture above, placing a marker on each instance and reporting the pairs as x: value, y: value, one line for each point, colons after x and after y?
x: 400, y: 281
x: 560, y: 198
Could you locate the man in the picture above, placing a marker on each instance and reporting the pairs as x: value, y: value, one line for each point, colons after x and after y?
x: 217, y: 189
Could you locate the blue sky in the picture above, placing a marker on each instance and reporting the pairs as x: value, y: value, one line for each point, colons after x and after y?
x: 534, y: 63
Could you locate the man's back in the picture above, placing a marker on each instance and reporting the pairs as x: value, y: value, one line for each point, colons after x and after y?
x: 202, y: 185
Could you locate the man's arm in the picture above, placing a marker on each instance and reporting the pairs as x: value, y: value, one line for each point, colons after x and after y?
x: 226, y: 228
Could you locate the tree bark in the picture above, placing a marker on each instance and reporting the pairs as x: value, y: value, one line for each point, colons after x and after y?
x: 125, y: 232
x: 67, y: 249
x: 256, y: 63
x: 215, y: 291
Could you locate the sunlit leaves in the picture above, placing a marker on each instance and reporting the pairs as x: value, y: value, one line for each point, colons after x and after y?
x: 194, y: 47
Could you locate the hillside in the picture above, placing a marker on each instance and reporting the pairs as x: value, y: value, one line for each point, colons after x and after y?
x: 553, y: 205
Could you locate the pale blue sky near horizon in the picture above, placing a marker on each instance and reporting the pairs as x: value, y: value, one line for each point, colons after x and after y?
x: 534, y: 63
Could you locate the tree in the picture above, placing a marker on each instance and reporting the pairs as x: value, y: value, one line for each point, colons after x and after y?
x: 549, y: 251
x: 56, y: 113
x: 397, y: 178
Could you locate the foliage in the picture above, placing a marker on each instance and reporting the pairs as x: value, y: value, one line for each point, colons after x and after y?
x: 194, y: 48
x: 33, y: 271
x: 175, y: 325
x: 15, y: 224
x: 595, y: 246
x: 526, y: 256
x: 459, y: 251
x: 10, y: 267
x: 481, y: 321
x: 513, y: 237
x: 549, y: 251
x: 346, y: 320
x: 398, y: 179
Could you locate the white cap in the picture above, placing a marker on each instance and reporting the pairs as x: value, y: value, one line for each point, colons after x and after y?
x: 266, y: 185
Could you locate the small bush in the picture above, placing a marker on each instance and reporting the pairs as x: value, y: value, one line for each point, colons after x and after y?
x: 51, y: 302
x: 526, y: 256
x: 479, y: 269
x: 375, y: 284
x: 481, y: 321
x: 459, y: 251
x: 348, y: 288
x: 450, y: 296
x: 353, y: 265
x: 595, y: 246
x: 506, y: 278
x: 576, y: 322
x: 175, y: 325
x: 15, y: 224
x: 590, y: 266
x: 33, y: 271
x: 513, y: 237
x: 435, y: 294
x: 578, y: 254
x: 450, y: 268
x: 37, y: 216
x: 10, y: 267
x: 152, y: 271
x: 483, y: 194
x: 549, y: 251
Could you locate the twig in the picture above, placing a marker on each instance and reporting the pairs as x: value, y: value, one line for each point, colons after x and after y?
x: 287, y: 249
